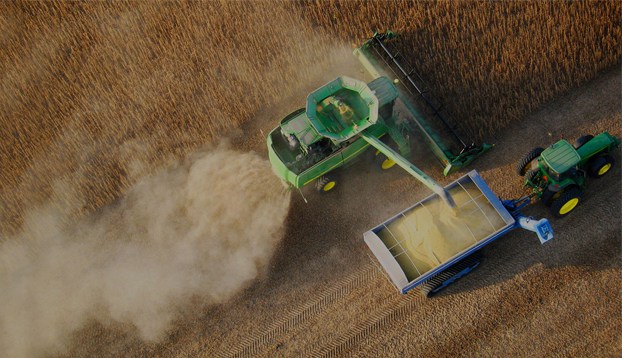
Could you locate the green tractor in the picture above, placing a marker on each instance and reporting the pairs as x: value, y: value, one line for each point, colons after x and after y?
x: 558, y: 174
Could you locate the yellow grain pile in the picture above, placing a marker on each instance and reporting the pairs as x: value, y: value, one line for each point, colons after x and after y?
x: 432, y: 233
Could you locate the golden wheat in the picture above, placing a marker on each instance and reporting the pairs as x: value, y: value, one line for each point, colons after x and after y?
x: 90, y: 91
x: 492, y: 61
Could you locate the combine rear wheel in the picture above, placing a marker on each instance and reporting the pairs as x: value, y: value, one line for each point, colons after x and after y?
x: 325, y: 184
x: 601, y: 166
x: 525, y: 163
x: 566, y: 202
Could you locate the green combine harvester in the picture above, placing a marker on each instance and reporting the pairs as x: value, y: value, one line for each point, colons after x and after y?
x: 344, y: 117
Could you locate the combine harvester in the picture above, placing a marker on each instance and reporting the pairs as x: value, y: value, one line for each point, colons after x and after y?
x: 432, y: 242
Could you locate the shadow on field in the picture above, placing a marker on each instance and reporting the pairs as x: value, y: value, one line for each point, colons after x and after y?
x: 571, y: 115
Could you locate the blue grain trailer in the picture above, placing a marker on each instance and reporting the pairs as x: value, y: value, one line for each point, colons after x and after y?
x: 431, y: 246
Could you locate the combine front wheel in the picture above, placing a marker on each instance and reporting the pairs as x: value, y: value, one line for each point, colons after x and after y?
x: 384, y: 162
x: 325, y: 184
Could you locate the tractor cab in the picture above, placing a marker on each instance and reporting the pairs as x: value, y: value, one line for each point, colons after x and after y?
x: 560, y: 157
x: 559, y: 164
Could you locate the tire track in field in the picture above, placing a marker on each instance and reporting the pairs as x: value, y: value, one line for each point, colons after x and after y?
x: 260, y: 341
x: 392, y: 311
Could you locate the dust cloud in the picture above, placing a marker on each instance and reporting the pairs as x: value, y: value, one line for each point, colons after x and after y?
x: 203, y: 228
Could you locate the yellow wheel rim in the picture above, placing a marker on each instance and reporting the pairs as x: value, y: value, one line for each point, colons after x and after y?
x: 329, y: 186
x: 387, y: 164
x: 570, y: 204
x: 605, y: 168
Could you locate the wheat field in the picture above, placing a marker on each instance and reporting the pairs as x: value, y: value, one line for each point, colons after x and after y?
x: 174, y: 76
x: 97, y: 95
x: 83, y: 83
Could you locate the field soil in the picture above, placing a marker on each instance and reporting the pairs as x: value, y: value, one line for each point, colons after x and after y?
x: 324, y: 294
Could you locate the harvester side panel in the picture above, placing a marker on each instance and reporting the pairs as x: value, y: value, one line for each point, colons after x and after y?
x: 337, y: 159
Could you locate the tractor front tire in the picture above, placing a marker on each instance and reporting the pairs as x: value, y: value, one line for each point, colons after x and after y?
x: 523, y: 165
x: 601, y: 166
x: 566, y: 203
x: 325, y: 184
x: 582, y: 140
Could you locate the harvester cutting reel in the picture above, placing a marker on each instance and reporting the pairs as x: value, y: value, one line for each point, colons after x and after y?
x: 380, y: 58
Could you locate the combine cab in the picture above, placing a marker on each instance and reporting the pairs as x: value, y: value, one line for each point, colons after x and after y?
x: 313, y: 141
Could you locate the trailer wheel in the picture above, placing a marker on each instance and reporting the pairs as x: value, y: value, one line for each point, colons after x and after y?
x: 521, y: 168
x: 566, y: 203
x: 460, y: 269
x: 601, y: 166
x: 582, y: 140
x: 325, y: 184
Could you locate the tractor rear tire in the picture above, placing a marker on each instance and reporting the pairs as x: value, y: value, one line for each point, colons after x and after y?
x: 601, y: 166
x: 582, y: 140
x: 566, y: 203
x: 522, y: 166
x: 325, y: 184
